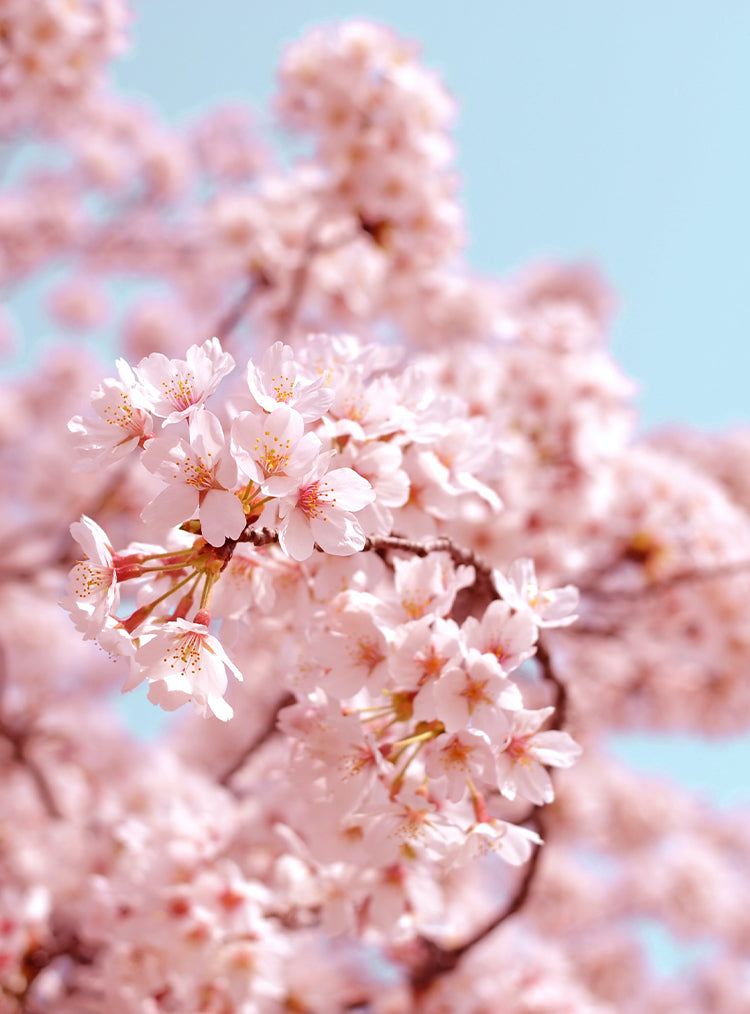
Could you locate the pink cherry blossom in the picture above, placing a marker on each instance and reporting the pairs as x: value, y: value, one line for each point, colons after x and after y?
x: 201, y: 475
x: 552, y: 608
x: 120, y: 425
x: 456, y: 758
x: 175, y: 388
x: 273, y: 449
x: 93, y: 591
x: 321, y: 510
x: 509, y: 636
x: 280, y: 380
x: 474, y: 692
x: 526, y: 754
x: 182, y: 661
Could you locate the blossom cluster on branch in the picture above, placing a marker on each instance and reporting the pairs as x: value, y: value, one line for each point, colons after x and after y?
x: 388, y: 553
x: 405, y: 722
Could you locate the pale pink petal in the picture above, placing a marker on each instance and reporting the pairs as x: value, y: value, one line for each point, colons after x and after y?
x: 221, y: 516
x: 295, y: 536
x: 172, y: 506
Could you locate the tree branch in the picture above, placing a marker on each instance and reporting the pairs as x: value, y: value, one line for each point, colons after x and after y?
x: 437, y: 960
x: 18, y: 740
x: 665, y: 584
x: 257, y: 741
x: 234, y: 314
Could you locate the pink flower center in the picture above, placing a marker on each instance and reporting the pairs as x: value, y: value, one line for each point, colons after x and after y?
x: 310, y: 501
x: 179, y: 391
x: 283, y: 389
x: 367, y: 653
x: 475, y: 693
x: 196, y: 473
x: 518, y: 749
x: 455, y: 755
x: 123, y: 415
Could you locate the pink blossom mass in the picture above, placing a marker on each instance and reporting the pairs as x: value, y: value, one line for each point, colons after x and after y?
x: 376, y: 547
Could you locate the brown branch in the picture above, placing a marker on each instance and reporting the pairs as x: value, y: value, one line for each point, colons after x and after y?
x: 41, y: 955
x: 542, y: 656
x: 3, y: 676
x: 665, y: 584
x: 441, y: 544
x: 234, y: 314
x: 258, y: 536
x: 296, y: 294
x: 257, y: 741
x: 301, y: 274
x: 437, y: 961
x: 19, y: 739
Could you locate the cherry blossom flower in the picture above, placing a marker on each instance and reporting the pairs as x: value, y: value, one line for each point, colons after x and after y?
x: 464, y: 755
x: 526, y: 751
x: 552, y: 608
x: 93, y: 591
x: 174, y: 388
x: 120, y: 425
x: 280, y: 380
x: 424, y: 649
x: 353, y: 650
x: 183, y: 661
x: 201, y: 475
x: 379, y: 463
x: 510, y: 841
x: 509, y: 636
x: 474, y: 693
x: 273, y: 449
x: 427, y: 587
x: 321, y: 510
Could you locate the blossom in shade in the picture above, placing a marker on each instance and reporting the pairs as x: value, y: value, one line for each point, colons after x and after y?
x: 457, y: 758
x: 510, y: 841
x: 473, y: 692
x: 509, y: 636
x: 174, y: 388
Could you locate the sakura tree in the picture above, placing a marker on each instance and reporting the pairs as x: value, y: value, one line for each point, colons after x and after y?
x: 377, y: 535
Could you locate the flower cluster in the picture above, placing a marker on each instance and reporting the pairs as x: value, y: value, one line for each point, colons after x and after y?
x: 51, y: 53
x: 407, y: 719
x: 335, y: 552
x: 380, y: 121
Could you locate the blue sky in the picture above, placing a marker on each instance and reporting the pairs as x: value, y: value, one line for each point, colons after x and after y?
x: 611, y: 132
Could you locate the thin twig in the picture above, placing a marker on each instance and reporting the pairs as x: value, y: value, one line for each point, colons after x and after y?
x: 3, y: 676
x: 441, y: 544
x: 19, y: 740
x: 542, y: 656
x: 234, y: 314
x: 258, y: 740
x: 437, y: 960
x: 301, y: 274
x: 667, y: 583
